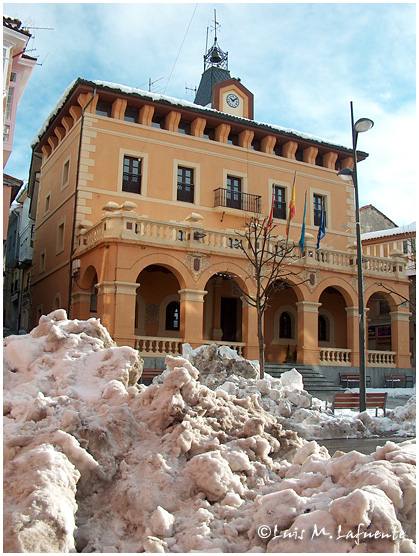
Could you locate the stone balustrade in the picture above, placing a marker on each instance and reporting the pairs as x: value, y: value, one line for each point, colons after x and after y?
x: 381, y: 358
x: 128, y: 226
x: 334, y: 356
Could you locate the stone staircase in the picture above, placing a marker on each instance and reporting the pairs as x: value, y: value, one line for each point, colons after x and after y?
x: 313, y: 381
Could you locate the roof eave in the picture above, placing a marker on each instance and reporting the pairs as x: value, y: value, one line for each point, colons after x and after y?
x: 193, y: 108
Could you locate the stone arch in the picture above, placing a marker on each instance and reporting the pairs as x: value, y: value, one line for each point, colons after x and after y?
x: 169, y: 262
x: 157, y: 286
x: 87, y: 278
x: 391, y: 297
x: 342, y: 286
x: 229, y: 268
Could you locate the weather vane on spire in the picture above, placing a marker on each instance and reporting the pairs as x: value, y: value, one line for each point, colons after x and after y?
x: 215, y: 56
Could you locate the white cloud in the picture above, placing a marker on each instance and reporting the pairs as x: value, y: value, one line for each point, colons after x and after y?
x: 303, y: 62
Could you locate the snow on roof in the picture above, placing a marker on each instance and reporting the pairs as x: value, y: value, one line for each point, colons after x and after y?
x: 400, y: 230
x: 156, y: 97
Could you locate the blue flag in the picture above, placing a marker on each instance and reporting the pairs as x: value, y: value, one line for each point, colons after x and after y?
x: 303, y: 229
x: 322, y: 227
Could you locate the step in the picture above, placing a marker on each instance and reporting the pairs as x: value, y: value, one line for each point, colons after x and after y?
x: 313, y: 381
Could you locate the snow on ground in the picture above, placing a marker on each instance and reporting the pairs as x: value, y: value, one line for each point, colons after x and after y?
x: 94, y: 462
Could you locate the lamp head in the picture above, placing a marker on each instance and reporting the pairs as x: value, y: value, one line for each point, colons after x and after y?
x: 364, y: 124
x: 346, y: 174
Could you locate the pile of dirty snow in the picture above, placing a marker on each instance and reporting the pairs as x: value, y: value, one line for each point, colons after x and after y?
x: 221, y: 368
x: 94, y: 462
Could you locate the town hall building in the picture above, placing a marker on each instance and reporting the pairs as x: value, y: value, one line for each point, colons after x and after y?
x: 139, y: 198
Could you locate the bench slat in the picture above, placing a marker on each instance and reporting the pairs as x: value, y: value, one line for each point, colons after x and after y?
x: 347, y: 401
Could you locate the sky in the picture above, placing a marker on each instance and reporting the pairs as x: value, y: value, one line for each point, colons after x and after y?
x: 304, y: 63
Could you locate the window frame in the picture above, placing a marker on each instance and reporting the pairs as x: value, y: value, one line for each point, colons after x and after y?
x: 184, y: 185
x: 177, y: 163
x: 133, y: 172
x: 65, y: 174
x: 280, y: 212
x: 144, y: 172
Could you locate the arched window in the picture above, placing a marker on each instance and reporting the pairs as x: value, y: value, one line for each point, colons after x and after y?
x: 322, y: 329
x: 93, y: 296
x: 285, y: 325
x: 173, y: 316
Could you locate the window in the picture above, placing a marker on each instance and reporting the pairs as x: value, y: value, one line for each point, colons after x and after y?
x: 104, y: 109
x: 131, y: 115
x: 157, y: 121
x: 184, y: 127
x: 9, y: 103
x: 285, y: 325
x: 405, y: 247
x: 234, y: 187
x: 280, y: 209
x: 131, y: 180
x: 185, y: 184
x: 66, y: 173
x: 233, y: 139
x: 47, y: 203
x: 93, y: 296
x: 209, y: 133
x: 60, y: 237
x: 322, y: 329
x: 319, y: 202
x: 42, y: 262
x: 173, y: 316
x: 6, y: 133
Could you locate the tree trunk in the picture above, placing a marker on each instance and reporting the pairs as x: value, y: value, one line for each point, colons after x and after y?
x: 261, y: 346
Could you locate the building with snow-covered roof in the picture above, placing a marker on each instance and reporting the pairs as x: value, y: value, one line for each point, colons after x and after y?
x: 17, y: 69
x: 392, y: 243
x: 138, y: 199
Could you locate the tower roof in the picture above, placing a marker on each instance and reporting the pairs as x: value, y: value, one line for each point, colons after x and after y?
x: 209, y: 78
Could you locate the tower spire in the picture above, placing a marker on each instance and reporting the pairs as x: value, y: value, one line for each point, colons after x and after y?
x: 215, y: 56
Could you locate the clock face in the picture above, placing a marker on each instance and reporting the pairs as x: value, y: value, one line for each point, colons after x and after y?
x: 233, y: 100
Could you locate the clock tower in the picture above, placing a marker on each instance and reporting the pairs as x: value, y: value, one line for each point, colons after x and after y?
x: 218, y: 90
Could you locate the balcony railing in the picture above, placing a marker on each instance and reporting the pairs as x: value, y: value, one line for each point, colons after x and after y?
x: 130, y: 227
x: 237, y: 200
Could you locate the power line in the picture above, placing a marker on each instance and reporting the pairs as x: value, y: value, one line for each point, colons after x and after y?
x: 196, y: 5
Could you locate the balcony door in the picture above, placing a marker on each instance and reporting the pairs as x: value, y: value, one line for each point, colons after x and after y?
x: 234, y: 188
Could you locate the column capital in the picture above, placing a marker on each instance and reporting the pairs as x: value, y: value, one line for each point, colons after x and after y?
x: 403, y: 316
x: 117, y: 287
x: 192, y: 295
x: 307, y: 306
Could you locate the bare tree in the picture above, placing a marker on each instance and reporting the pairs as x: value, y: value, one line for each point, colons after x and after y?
x: 268, y: 258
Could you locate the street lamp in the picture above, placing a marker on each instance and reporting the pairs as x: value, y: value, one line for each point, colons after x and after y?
x: 364, y: 124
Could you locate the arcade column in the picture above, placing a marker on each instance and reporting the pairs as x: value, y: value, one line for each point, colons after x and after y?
x: 308, y: 326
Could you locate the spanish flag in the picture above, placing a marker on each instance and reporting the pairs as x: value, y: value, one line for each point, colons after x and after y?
x: 291, y: 212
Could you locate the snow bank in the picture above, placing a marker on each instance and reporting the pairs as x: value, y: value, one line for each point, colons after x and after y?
x: 221, y: 368
x: 94, y: 462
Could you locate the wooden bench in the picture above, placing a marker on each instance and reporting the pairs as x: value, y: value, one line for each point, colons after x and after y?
x: 344, y: 400
x: 352, y: 378
x: 148, y: 375
x: 398, y: 379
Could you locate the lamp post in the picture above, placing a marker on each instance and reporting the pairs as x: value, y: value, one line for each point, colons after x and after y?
x: 364, y: 124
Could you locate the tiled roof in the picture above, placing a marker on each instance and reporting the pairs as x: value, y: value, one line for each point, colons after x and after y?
x: 15, y: 25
